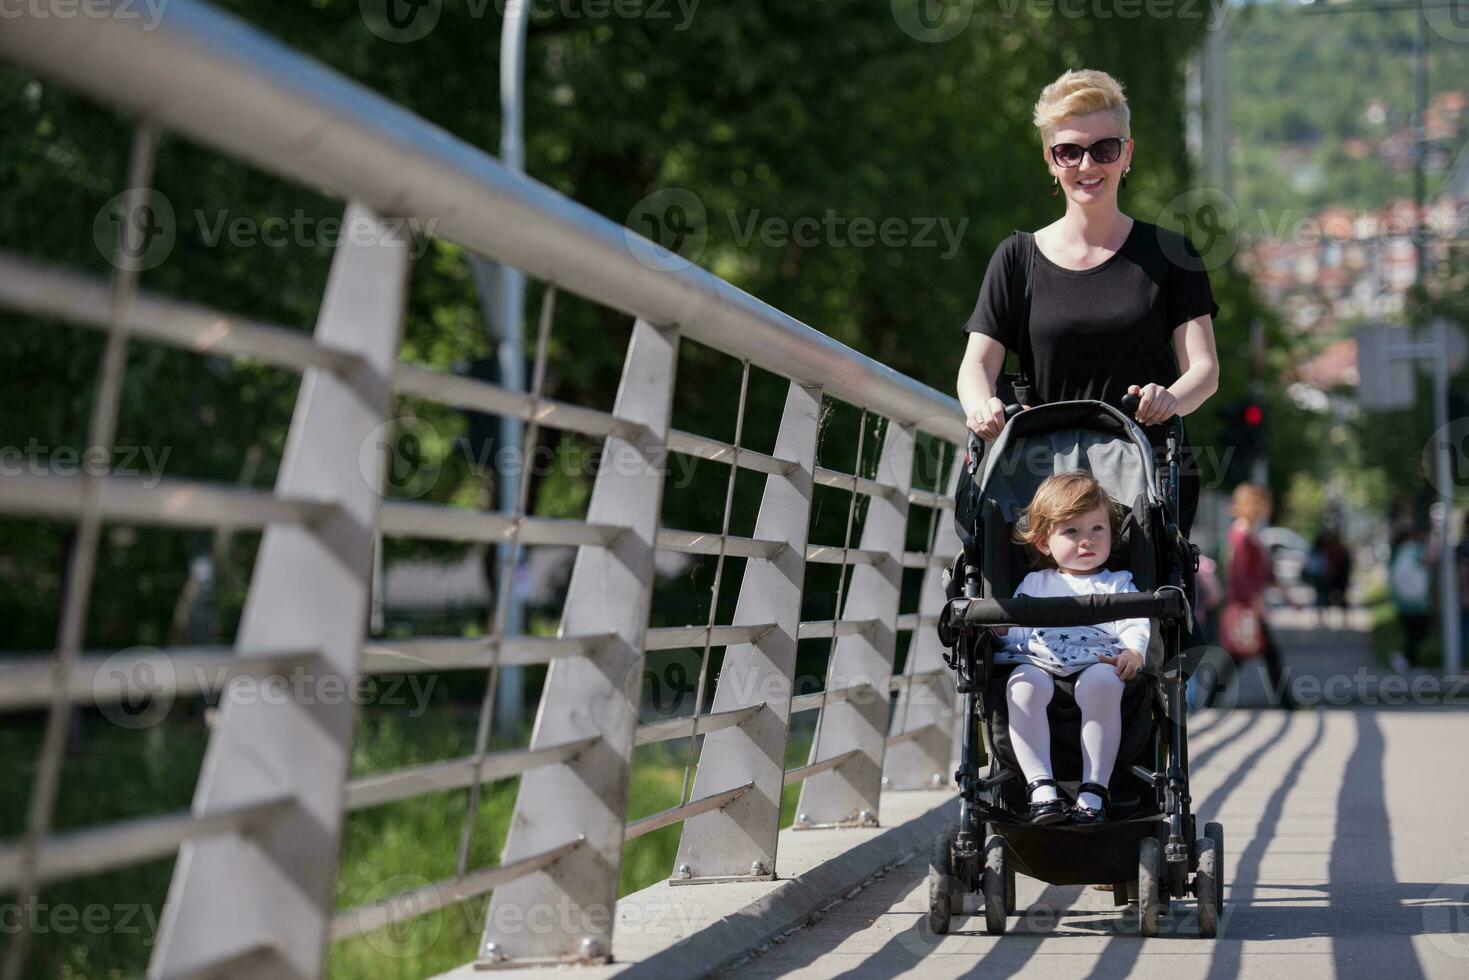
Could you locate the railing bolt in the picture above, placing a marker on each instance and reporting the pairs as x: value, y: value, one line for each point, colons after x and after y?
x: 494, y: 953
x: 757, y: 868
x: 866, y: 818
x: 938, y: 779
x: 591, y: 946
x: 685, y: 872
x: 802, y: 818
x: 887, y: 780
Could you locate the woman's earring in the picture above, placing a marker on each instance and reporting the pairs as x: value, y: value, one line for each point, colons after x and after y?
x: 1055, y: 186
x: 1124, y: 176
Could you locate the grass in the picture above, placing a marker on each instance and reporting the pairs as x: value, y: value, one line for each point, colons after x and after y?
x: 116, y: 773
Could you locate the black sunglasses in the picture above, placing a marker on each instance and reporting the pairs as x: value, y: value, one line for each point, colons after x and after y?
x: 1103, y: 151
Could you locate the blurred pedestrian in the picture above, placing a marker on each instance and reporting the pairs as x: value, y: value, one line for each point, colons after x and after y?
x: 1244, y: 627
x: 1329, y: 571
x: 1410, y: 580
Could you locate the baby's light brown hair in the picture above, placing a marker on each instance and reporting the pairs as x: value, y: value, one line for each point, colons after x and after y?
x: 1061, y: 497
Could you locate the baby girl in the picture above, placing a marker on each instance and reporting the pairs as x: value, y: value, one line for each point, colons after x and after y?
x: 1069, y: 527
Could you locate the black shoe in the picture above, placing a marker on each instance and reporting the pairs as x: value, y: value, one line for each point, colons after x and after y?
x: 1085, y: 814
x: 1047, y: 811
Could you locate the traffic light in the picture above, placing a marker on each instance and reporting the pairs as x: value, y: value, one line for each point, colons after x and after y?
x: 1243, y: 431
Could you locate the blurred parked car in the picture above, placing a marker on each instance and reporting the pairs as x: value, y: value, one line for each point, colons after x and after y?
x: 1288, y: 552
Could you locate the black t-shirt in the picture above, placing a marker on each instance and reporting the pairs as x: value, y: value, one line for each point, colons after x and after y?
x: 1096, y: 331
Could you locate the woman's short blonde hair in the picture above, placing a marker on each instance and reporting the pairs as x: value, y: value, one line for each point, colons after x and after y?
x: 1080, y: 92
x: 1251, y: 501
x: 1061, y: 497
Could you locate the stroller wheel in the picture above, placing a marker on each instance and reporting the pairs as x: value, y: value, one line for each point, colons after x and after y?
x: 1149, y: 886
x: 1206, y: 887
x: 941, y: 888
x: 1215, y: 832
x: 995, y: 892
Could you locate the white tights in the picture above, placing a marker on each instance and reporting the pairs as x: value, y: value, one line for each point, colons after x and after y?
x: 1098, y: 695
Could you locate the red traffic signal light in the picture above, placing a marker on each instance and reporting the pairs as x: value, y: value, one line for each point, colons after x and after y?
x: 1254, y: 416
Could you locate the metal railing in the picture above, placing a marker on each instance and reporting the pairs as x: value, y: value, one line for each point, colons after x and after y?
x: 252, y: 893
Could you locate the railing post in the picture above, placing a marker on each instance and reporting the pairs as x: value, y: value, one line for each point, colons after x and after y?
x: 739, y: 840
x: 848, y: 793
x: 258, y: 902
x: 926, y: 706
x: 566, y: 910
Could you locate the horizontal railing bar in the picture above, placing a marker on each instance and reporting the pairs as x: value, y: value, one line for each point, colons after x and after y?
x: 328, y: 132
x: 899, y: 681
x: 927, y: 498
x: 657, y: 821
x: 707, y: 543
x: 474, y: 394
x: 911, y: 621
x: 924, y: 559
x: 805, y: 702
x: 911, y: 734
x: 663, y: 731
x: 829, y: 554
x: 415, y: 520
x: 806, y: 772
x: 30, y: 287
x: 848, y: 481
x: 436, y: 777
x: 681, y: 637
x: 828, y: 628
x: 463, y: 653
x: 103, y: 848
x: 704, y: 447
x: 168, y: 503
x: 420, y: 901
x: 102, y: 678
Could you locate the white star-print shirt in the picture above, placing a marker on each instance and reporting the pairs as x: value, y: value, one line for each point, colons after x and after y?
x: 1064, y: 650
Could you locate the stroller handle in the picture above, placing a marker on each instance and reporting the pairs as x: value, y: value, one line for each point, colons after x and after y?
x: 1130, y: 405
x: 976, y: 445
x: 1086, y: 610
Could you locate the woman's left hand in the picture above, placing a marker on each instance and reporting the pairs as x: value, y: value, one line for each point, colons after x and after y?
x: 1158, y: 404
x: 1127, y: 663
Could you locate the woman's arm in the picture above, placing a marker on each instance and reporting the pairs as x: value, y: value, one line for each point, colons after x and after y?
x: 1198, y: 364
x: 1198, y: 378
x: 979, y: 371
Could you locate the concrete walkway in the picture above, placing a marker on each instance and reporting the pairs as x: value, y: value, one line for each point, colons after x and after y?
x: 1346, y: 855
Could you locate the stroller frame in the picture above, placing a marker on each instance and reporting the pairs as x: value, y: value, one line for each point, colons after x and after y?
x: 984, y: 851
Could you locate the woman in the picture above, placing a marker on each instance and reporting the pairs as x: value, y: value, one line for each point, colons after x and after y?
x: 1117, y: 305
x: 1249, y: 574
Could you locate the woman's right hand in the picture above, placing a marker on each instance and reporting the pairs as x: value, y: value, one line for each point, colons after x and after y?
x: 987, y: 421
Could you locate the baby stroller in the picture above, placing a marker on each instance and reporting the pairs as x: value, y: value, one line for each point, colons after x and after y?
x: 1147, y: 847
